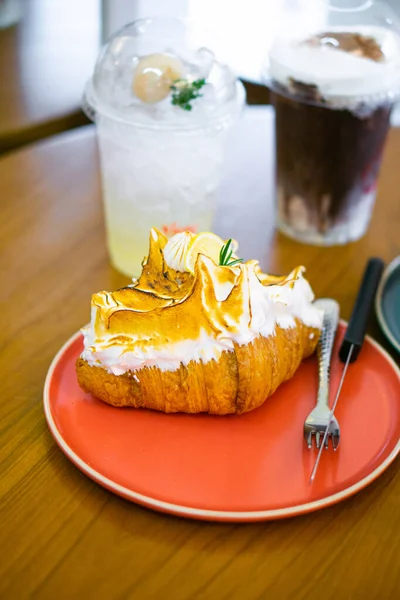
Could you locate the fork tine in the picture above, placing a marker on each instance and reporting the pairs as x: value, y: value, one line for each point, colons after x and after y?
x: 309, y: 440
x: 317, y: 439
x: 335, y: 440
x: 327, y: 441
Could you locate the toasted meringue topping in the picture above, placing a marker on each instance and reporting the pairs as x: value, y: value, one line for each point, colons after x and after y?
x: 168, y: 317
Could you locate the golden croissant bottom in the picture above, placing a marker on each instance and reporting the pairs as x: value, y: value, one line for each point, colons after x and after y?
x: 239, y: 381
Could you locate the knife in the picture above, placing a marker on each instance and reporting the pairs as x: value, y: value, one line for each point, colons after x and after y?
x: 355, y: 333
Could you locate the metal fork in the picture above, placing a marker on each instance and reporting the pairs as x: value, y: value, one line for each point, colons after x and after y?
x: 317, y: 421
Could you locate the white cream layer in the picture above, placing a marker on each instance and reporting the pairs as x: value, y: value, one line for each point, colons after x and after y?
x: 176, y: 249
x: 264, y: 308
x: 335, y: 72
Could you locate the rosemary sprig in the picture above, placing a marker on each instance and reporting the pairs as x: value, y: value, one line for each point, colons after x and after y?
x: 184, y: 91
x: 225, y: 255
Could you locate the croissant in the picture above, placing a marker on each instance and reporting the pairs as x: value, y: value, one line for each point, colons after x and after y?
x: 220, y: 339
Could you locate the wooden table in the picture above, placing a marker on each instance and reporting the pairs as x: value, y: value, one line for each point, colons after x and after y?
x: 45, y: 61
x: 63, y: 536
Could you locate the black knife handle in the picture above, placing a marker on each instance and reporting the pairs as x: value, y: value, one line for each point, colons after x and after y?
x: 362, y: 309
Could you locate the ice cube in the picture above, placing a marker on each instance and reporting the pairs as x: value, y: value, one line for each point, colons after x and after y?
x: 201, y: 63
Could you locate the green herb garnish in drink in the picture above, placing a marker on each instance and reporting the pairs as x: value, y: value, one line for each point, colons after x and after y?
x: 184, y: 91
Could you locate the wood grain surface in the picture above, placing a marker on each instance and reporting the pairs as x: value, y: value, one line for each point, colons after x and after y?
x: 46, y: 59
x: 63, y: 536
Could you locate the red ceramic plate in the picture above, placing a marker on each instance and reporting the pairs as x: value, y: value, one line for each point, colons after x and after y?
x: 236, y: 468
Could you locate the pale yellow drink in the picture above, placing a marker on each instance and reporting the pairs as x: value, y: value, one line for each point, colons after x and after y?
x: 167, y: 180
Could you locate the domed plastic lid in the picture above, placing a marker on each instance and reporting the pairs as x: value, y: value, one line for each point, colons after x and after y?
x: 157, y: 72
x: 345, y: 53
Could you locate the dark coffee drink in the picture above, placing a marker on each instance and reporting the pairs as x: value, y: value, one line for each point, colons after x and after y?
x: 333, y: 100
x: 327, y: 168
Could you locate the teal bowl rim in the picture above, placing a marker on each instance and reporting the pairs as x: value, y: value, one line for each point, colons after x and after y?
x: 391, y: 267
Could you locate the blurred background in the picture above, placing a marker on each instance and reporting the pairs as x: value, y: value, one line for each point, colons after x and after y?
x: 48, y: 49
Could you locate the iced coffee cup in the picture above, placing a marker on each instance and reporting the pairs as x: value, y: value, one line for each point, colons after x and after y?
x: 162, y: 104
x: 333, y: 88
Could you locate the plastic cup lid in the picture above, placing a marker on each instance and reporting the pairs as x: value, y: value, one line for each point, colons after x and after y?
x: 339, y: 53
x: 158, y: 73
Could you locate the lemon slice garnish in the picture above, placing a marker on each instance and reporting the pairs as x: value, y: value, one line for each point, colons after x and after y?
x: 203, y: 243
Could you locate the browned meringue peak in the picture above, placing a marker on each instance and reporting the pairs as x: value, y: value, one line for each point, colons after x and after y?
x: 123, y: 299
x: 157, y: 277
x: 266, y: 279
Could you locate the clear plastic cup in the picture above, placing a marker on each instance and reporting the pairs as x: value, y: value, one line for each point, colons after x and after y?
x: 160, y: 163
x: 334, y: 79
